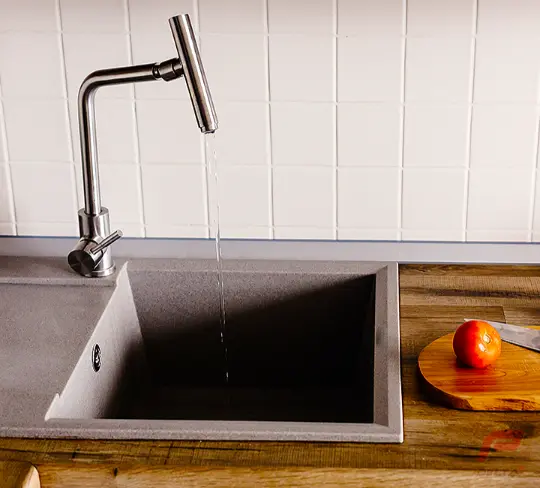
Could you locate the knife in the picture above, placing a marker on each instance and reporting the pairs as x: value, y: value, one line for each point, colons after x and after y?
x: 514, y: 334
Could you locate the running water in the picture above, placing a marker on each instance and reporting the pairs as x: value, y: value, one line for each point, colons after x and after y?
x: 211, y: 161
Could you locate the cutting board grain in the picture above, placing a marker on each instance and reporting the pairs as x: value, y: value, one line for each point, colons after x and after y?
x: 511, y: 383
x: 15, y: 474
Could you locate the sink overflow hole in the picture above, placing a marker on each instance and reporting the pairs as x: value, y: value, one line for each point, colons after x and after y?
x: 96, y: 358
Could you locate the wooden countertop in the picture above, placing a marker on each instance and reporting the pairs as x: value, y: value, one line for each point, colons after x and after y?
x: 501, y: 448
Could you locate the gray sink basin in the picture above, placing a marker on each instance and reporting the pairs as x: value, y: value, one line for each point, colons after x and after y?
x: 310, y: 351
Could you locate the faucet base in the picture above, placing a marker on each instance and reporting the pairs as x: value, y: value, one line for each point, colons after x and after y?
x: 103, y: 272
x: 93, y: 230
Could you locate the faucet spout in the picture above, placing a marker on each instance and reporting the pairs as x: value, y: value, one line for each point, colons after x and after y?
x: 184, y: 38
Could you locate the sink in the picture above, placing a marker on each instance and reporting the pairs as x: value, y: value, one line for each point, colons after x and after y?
x: 309, y: 351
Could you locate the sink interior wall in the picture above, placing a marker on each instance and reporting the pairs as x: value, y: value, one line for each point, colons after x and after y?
x: 300, y: 346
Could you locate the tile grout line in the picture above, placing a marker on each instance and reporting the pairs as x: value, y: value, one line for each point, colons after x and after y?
x: 207, y: 186
x: 10, y: 189
x: 106, y: 96
x: 76, y: 191
x: 135, y: 126
x: 402, y: 128
x: 467, y: 182
x: 269, y: 153
x: 335, y: 184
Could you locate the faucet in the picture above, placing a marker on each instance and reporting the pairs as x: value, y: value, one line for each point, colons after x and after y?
x: 92, y: 254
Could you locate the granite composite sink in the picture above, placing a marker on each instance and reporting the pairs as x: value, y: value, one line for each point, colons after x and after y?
x: 312, y: 353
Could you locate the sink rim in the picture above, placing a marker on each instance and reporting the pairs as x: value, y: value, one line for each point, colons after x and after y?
x: 387, y: 424
x: 388, y: 417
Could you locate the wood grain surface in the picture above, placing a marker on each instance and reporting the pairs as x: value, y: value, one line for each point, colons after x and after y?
x: 14, y: 474
x: 511, y: 383
x: 434, y: 300
x: 158, y: 477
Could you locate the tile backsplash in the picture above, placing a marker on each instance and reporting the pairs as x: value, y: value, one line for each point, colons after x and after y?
x: 339, y: 119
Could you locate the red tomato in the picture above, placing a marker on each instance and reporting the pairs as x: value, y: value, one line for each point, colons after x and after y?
x: 477, y: 344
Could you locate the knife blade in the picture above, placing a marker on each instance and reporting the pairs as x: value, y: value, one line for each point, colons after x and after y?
x: 514, y: 334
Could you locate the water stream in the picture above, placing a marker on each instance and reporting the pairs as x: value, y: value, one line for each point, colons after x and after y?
x: 211, y: 162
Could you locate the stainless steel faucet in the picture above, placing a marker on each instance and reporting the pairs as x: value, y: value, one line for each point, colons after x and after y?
x: 92, y: 255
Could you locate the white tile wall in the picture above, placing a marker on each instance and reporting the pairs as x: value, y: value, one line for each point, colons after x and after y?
x: 436, y: 135
x: 311, y: 141
x: 369, y: 134
x: 347, y: 119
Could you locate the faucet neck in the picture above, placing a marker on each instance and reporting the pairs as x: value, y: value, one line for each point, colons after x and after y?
x: 167, y: 70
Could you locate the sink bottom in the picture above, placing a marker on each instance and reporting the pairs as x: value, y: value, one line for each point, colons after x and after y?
x: 273, y: 404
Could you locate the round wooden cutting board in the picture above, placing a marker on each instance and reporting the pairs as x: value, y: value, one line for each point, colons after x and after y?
x: 511, y: 383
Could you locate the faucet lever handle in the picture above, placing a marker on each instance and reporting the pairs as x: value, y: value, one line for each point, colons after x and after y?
x: 107, y: 241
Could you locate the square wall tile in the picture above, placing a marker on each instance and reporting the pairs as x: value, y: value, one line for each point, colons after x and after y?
x: 499, y: 199
x: 436, y: 135
x: 95, y: 16
x: 368, y: 198
x: 303, y: 197
x: 151, y: 42
x: 172, y: 231
x: 37, y: 130
x: 303, y: 133
x: 44, y: 192
x: 244, y: 196
x: 3, y: 148
x: 57, y: 229
x: 85, y: 53
x: 498, y: 236
x: 23, y: 55
x: 504, y: 135
x: 246, y: 232
x: 433, y: 199
x: 6, y: 206
x: 7, y: 229
x: 438, y: 70
x: 304, y: 233
x: 168, y: 132
x: 174, y: 195
x: 301, y: 16
x: 508, y: 18
x: 507, y: 70
x: 344, y: 234
x: 236, y: 66
x: 120, y: 191
x: 380, y: 17
x: 242, y: 137
x: 232, y: 16
x: 536, y: 220
x: 15, y: 15
x: 128, y: 229
x: 433, y: 235
x: 369, y: 69
x: 153, y: 17
x: 432, y: 18
x: 294, y: 75
x: 369, y: 134
x: 115, y: 127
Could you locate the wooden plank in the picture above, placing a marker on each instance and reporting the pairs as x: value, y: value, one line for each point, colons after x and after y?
x: 14, y: 474
x: 157, y: 477
x: 474, y: 270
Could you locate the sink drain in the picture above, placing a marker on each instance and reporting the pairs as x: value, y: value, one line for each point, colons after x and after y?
x: 96, y: 358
